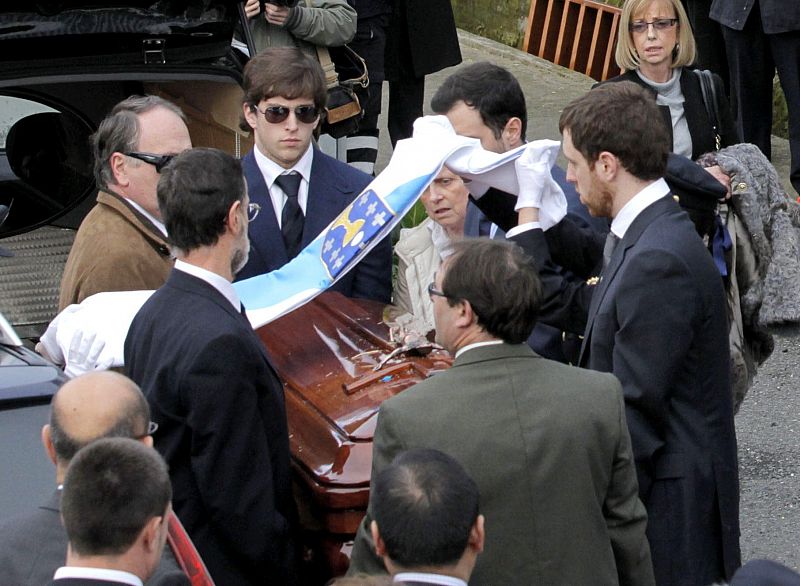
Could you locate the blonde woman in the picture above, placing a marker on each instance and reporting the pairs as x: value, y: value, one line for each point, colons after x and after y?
x: 656, y: 48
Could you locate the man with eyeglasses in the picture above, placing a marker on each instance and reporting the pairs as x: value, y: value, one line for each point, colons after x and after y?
x: 121, y: 245
x: 217, y: 400
x: 96, y: 405
x: 299, y: 188
x: 547, y: 444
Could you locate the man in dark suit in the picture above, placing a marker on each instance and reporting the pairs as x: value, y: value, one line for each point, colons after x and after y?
x: 91, y: 406
x: 546, y: 443
x: 421, y: 39
x: 218, y: 402
x: 760, y: 37
x: 115, y: 508
x: 655, y: 318
x: 300, y: 190
x: 499, y: 119
x: 427, y: 527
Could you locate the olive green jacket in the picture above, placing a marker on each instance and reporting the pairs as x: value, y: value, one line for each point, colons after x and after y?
x: 548, y: 446
x: 327, y: 23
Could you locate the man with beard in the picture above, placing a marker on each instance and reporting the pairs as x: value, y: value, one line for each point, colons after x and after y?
x: 217, y: 401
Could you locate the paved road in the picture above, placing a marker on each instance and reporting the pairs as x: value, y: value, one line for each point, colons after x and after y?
x: 768, y: 422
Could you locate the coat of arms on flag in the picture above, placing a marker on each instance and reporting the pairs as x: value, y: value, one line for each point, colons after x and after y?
x: 353, y: 230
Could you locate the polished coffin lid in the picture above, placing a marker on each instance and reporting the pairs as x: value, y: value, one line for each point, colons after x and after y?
x: 325, y: 353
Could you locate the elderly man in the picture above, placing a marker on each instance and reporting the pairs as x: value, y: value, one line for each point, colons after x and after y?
x: 86, y: 408
x: 427, y: 527
x: 218, y: 403
x: 121, y: 244
x: 546, y: 443
x: 300, y: 189
x: 115, y: 508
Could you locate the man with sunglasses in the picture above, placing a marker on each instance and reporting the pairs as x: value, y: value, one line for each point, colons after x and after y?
x: 299, y: 188
x: 95, y: 405
x: 121, y: 244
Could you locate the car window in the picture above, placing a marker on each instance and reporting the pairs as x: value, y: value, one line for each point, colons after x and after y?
x: 45, y: 162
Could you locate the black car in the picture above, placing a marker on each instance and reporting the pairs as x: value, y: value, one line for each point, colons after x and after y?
x: 63, y: 65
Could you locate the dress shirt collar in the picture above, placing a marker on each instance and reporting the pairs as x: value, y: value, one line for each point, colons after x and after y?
x: 460, y: 351
x: 631, y: 210
x: 157, y: 223
x: 219, y: 282
x: 428, y: 578
x: 270, y: 170
x: 97, y: 574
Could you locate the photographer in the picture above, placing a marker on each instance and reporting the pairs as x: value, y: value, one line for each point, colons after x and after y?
x: 295, y: 23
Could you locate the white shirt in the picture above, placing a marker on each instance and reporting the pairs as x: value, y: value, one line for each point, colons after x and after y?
x: 270, y: 171
x: 428, y: 578
x: 460, y: 351
x: 97, y: 574
x: 637, y: 204
x: 219, y: 282
x: 156, y: 222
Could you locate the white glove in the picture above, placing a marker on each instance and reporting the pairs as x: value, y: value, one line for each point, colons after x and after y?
x: 83, y: 354
x: 537, y: 188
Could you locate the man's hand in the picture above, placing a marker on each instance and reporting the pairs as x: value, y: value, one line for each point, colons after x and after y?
x: 276, y: 15
x: 252, y: 8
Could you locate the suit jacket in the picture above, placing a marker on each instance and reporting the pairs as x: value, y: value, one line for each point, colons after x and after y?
x: 33, y: 546
x: 222, y: 429
x: 548, y: 446
x: 694, y: 109
x: 657, y: 320
x: 777, y: 16
x: 333, y: 185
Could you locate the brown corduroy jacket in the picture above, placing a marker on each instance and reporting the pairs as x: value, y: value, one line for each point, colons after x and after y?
x: 116, y: 249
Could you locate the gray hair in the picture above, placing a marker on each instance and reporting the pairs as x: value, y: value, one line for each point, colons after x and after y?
x: 119, y: 132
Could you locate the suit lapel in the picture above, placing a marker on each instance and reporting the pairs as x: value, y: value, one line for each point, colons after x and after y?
x: 634, y: 231
x: 190, y: 284
x: 266, y: 241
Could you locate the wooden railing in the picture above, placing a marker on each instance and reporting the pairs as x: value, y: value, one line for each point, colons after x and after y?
x: 578, y: 34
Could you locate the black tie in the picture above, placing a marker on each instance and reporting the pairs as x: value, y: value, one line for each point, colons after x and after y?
x: 292, y: 216
x: 611, y: 243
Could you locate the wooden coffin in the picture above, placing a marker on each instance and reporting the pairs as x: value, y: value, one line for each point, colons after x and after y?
x: 326, y: 352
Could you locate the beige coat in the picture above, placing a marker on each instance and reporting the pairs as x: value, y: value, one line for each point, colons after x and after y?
x: 417, y: 263
x: 116, y: 249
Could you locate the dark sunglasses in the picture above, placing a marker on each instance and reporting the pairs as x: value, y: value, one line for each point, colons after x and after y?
x: 277, y: 114
x: 660, y: 24
x: 158, y: 161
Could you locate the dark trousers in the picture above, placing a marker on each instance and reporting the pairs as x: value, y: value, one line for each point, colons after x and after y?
x: 406, y: 97
x: 753, y: 57
x: 708, y: 36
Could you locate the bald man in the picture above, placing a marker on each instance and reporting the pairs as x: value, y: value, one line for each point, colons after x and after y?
x: 92, y: 406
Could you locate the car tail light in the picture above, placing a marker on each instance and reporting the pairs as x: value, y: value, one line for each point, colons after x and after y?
x: 186, y: 553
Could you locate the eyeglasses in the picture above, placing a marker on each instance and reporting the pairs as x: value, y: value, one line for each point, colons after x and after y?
x: 660, y: 24
x: 277, y: 114
x: 434, y: 292
x: 252, y: 211
x: 152, y: 427
x: 158, y: 161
